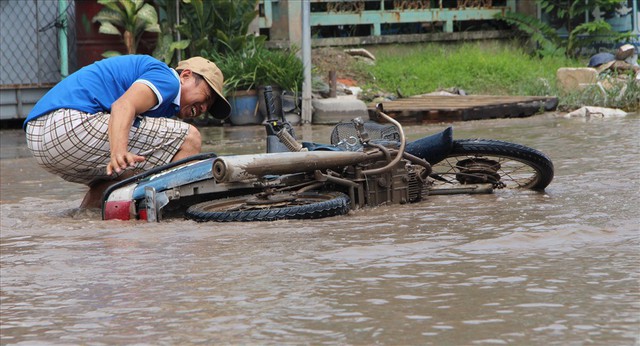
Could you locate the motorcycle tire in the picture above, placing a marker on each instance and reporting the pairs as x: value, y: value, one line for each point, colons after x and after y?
x: 504, y: 164
x: 308, y: 205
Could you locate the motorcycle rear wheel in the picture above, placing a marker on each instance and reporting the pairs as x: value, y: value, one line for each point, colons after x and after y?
x: 503, y: 164
x: 308, y: 205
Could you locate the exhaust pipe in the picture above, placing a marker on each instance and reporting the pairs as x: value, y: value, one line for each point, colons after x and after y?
x: 243, y: 167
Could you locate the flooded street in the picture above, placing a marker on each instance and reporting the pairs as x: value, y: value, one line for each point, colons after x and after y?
x: 561, y: 267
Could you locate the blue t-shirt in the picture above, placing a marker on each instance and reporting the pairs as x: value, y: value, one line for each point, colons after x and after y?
x: 95, y: 87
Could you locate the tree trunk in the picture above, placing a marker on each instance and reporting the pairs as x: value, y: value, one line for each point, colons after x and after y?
x: 129, y: 42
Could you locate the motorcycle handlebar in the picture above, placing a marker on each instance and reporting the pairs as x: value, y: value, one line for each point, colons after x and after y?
x: 403, y: 143
x: 270, y: 103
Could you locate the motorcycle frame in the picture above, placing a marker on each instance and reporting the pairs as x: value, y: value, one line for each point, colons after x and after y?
x: 374, y: 175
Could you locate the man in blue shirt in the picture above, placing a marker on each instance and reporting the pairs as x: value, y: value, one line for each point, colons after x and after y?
x: 112, y: 119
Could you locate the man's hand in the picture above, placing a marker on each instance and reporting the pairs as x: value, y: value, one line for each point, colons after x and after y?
x: 120, y: 162
x: 138, y: 99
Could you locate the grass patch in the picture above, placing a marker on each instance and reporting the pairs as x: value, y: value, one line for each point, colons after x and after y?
x: 477, y: 68
x: 623, y: 93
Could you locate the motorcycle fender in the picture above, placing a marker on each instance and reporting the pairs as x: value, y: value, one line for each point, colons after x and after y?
x: 120, y: 204
x: 180, y: 176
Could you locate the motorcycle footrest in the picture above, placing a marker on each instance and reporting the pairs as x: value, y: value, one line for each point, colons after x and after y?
x: 463, y: 189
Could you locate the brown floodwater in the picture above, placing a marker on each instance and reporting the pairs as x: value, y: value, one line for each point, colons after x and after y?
x: 561, y: 267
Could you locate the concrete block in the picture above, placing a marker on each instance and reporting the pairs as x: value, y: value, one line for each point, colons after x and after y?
x: 338, y: 109
x: 574, y: 79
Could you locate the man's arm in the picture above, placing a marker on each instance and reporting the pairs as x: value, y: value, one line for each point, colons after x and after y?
x: 138, y: 99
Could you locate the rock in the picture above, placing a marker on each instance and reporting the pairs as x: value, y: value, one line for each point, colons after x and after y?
x: 360, y: 52
x: 597, y: 112
x: 439, y: 93
x: 381, y: 99
x: 574, y: 79
x: 625, y: 51
x: 551, y: 104
x: 293, y: 118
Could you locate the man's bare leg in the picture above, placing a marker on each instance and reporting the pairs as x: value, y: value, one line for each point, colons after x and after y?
x: 191, y: 146
x: 93, y: 197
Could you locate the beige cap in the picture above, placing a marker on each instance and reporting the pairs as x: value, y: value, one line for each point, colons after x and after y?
x: 212, y: 74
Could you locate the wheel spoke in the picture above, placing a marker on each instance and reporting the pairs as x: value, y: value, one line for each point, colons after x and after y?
x: 500, y: 171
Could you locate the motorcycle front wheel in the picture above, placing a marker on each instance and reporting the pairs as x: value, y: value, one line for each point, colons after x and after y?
x: 502, y: 164
x: 259, y: 207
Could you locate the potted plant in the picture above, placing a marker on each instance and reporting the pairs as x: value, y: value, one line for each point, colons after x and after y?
x: 240, y: 69
x: 283, y: 71
x: 248, y: 70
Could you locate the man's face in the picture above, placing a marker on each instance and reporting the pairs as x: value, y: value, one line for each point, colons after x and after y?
x: 195, y: 98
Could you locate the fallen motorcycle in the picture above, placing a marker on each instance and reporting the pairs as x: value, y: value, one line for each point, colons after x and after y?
x: 366, y: 164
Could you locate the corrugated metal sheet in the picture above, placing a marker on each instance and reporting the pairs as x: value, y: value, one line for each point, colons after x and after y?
x: 17, y: 103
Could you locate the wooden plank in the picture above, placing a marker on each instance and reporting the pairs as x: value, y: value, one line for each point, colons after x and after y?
x: 438, y: 108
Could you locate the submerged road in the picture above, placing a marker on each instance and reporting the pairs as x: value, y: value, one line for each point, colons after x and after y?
x: 557, y: 267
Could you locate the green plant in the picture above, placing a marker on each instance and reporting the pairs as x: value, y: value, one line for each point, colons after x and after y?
x: 542, y: 35
x: 205, y: 26
x: 238, y: 67
x: 133, y: 16
x: 167, y: 46
x: 281, y: 67
x: 616, y: 91
x: 569, y: 15
x: 233, y: 18
x: 216, y: 25
x: 196, y: 24
x: 168, y: 43
x: 256, y: 65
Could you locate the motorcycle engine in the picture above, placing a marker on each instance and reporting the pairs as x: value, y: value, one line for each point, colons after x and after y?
x: 400, y: 185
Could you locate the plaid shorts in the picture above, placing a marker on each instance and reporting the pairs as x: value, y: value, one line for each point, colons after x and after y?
x: 75, y: 146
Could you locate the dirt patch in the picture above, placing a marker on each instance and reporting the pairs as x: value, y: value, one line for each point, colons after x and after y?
x: 351, y: 71
x: 328, y: 59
